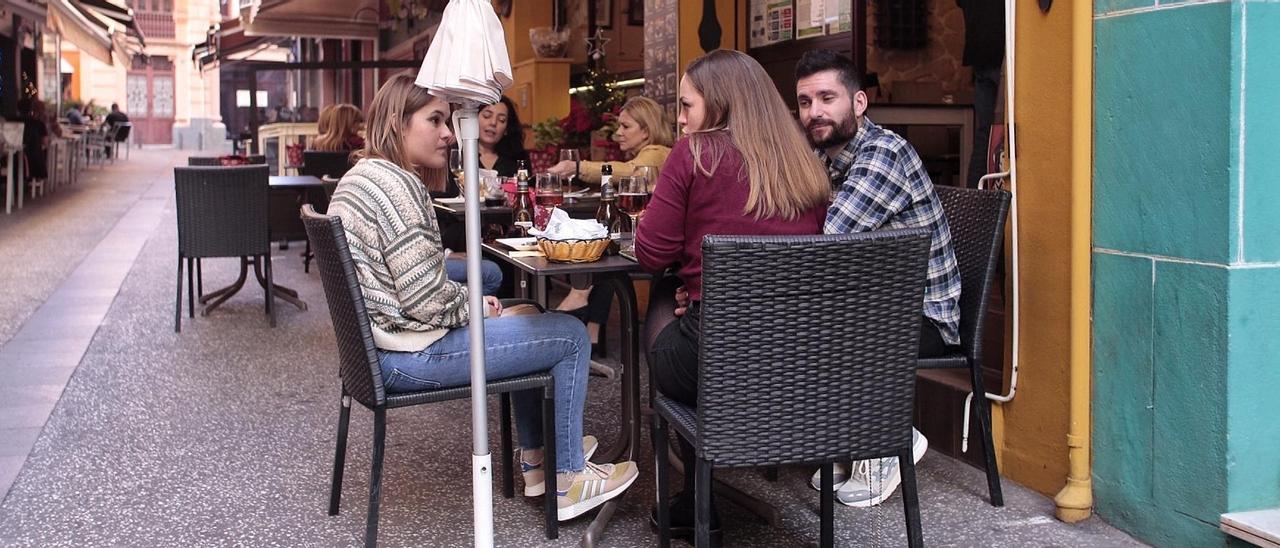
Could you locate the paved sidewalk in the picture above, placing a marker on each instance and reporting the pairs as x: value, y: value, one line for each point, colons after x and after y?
x: 222, y: 435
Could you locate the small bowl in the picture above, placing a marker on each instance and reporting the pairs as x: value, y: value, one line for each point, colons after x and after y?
x: 573, y: 251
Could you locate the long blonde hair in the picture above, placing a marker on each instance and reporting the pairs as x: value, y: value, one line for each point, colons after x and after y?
x: 336, y: 125
x: 652, y: 118
x: 785, y: 176
x: 389, y: 113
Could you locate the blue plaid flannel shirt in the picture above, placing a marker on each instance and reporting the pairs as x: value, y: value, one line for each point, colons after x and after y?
x: 880, y: 182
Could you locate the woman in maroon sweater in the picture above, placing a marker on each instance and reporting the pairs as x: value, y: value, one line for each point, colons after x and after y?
x: 743, y: 168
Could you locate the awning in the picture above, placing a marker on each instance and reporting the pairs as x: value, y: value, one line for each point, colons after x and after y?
x: 114, y: 18
x: 230, y: 43
x: 72, y: 24
x: 352, y: 20
x: 26, y: 9
x: 64, y: 67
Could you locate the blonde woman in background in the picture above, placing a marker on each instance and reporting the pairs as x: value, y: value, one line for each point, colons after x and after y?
x: 339, y: 127
x: 644, y: 134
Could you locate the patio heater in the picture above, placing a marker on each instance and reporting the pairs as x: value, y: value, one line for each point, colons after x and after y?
x: 467, y: 65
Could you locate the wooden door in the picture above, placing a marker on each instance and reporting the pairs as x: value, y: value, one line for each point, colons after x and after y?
x: 150, y: 91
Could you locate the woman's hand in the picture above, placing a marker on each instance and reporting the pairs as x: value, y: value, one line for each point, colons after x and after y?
x: 682, y: 301
x: 563, y: 169
x: 494, y: 306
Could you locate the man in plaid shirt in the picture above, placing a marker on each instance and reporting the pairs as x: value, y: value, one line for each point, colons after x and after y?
x: 879, y: 182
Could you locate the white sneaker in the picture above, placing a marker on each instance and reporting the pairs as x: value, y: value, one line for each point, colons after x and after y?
x: 533, y: 475
x: 874, y: 480
x: 840, y: 471
x: 593, y: 486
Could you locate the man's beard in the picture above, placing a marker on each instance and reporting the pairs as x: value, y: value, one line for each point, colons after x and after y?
x: 841, y: 132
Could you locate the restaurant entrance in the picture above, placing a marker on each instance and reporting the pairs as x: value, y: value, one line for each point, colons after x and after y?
x: 149, y: 88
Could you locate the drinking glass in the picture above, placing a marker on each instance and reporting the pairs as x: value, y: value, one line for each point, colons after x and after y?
x: 633, y: 196
x: 455, y: 167
x: 548, y: 192
x: 649, y: 174
x: 571, y: 155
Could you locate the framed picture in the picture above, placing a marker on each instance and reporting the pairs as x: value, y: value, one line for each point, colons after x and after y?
x: 604, y: 14
x: 635, y: 12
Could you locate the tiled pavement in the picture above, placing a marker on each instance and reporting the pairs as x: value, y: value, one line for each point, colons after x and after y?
x: 222, y: 435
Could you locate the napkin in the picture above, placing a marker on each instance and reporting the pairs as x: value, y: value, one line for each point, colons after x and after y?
x: 561, y: 227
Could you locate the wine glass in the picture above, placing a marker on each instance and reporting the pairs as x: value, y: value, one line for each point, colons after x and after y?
x: 633, y: 196
x: 571, y: 155
x: 455, y: 167
x: 548, y: 191
x: 649, y: 174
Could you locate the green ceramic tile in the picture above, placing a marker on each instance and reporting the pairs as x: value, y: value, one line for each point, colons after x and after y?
x: 1262, y: 132
x: 1253, y: 378
x: 1122, y: 378
x: 1161, y: 148
x: 1190, y: 370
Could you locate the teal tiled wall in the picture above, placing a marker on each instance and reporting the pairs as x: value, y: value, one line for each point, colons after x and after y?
x: 1186, y: 279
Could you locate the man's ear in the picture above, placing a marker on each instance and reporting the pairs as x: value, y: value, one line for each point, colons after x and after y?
x: 859, y: 103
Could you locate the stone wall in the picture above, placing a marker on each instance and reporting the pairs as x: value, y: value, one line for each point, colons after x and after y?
x: 939, y: 61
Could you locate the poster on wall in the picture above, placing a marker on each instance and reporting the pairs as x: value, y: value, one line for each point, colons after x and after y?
x: 843, y: 20
x: 772, y: 21
x: 811, y: 20
x: 661, y: 44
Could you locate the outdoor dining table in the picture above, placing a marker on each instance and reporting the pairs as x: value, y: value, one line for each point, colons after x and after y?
x: 300, y: 183
x: 532, y: 276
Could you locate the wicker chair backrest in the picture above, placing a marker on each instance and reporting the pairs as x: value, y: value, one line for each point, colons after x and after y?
x: 976, y: 218
x: 222, y: 211
x: 809, y: 345
x: 357, y: 358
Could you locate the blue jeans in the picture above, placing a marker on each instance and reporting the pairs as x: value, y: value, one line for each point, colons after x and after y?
x: 490, y: 274
x: 513, y: 346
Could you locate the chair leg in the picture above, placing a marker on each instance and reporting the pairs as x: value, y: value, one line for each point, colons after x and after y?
x: 508, y: 483
x: 910, y: 499
x: 271, y: 289
x: 983, y: 411
x: 663, y: 474
x: 199, y: 279
x: 340, y: 454
x: 550, y: 502
x: 827, y: 505
x: 306, y: 258
x: 702, y: 504
x: 375, y: 477
x: 177, y: 309
x: 191, y: 289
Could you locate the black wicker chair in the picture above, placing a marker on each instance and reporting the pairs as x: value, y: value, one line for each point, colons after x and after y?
x: 977, y: 220
x: 320, y: 163
x: 362, y: 378
x: 808, y: 355
x: 254, y: 160
x: 222, y: 212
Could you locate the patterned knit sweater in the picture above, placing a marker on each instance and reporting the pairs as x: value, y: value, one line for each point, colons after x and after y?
x: 395, y: 243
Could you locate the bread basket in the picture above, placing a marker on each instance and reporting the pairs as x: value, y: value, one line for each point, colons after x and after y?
x: 573, y: 250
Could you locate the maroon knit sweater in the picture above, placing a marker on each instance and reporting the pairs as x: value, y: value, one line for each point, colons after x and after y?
x: 687, y: 205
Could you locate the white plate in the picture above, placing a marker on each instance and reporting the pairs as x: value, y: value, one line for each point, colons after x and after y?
x: 520, y: 244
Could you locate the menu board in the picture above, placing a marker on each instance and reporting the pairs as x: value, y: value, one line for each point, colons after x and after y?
x: 771, y: 22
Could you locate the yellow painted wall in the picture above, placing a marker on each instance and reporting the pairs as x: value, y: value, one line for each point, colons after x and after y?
x: 1033, y: 427
x: 732, y: 15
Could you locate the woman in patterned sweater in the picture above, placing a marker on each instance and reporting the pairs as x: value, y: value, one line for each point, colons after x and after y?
x: 420, y: 317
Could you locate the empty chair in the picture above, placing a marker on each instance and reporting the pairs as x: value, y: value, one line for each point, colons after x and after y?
x: 361, y: 376
x: 808, y: 355
x: 320, y: 163
x: 222, y: 212
x: 977, y: 220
